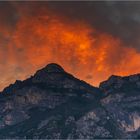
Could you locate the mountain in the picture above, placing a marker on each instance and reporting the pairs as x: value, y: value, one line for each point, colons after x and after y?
x: 53, y: 104
x: 122, y: 102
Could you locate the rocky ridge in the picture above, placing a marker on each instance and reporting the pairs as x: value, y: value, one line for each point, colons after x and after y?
x: 54, y: 104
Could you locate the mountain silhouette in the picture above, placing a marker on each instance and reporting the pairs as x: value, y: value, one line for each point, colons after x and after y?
x: 53, y: 104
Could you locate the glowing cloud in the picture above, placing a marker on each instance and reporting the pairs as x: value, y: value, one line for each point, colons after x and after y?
x: 81, y: 50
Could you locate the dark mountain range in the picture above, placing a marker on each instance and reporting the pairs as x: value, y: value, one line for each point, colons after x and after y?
x: 53, y: 104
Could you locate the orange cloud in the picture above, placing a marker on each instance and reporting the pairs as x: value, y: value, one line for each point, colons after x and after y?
x: 81, y: 50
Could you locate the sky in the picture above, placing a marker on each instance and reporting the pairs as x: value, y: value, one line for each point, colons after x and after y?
x: 90, y: 39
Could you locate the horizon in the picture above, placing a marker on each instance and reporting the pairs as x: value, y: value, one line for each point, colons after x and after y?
x: 68, y: 73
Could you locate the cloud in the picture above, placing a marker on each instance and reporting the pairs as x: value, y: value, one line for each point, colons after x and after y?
x: 91, y: 40
x: 120, y: 19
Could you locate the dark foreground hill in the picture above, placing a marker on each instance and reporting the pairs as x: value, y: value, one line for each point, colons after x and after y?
x: 53, y: 104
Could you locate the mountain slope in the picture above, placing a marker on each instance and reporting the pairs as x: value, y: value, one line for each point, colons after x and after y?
x: 122, y: 102
x: 54, y: 104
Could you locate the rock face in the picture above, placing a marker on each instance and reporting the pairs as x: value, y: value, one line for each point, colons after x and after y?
x: 53, y: 104
x: 122, y: 102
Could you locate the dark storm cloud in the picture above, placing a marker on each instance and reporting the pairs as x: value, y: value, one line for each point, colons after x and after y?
x: 8, y: 15
x: 120, y: 19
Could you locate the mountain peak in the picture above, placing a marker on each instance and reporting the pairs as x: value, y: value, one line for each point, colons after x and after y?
x: 51, y: 73
x: 50, y: 68
x: 53, y: 67
x: 52, y: 76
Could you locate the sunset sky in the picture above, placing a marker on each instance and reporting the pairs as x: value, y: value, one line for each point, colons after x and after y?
x: 92, y: 40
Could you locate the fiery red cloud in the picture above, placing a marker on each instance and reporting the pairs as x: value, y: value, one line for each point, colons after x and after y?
x: 81, y: 50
